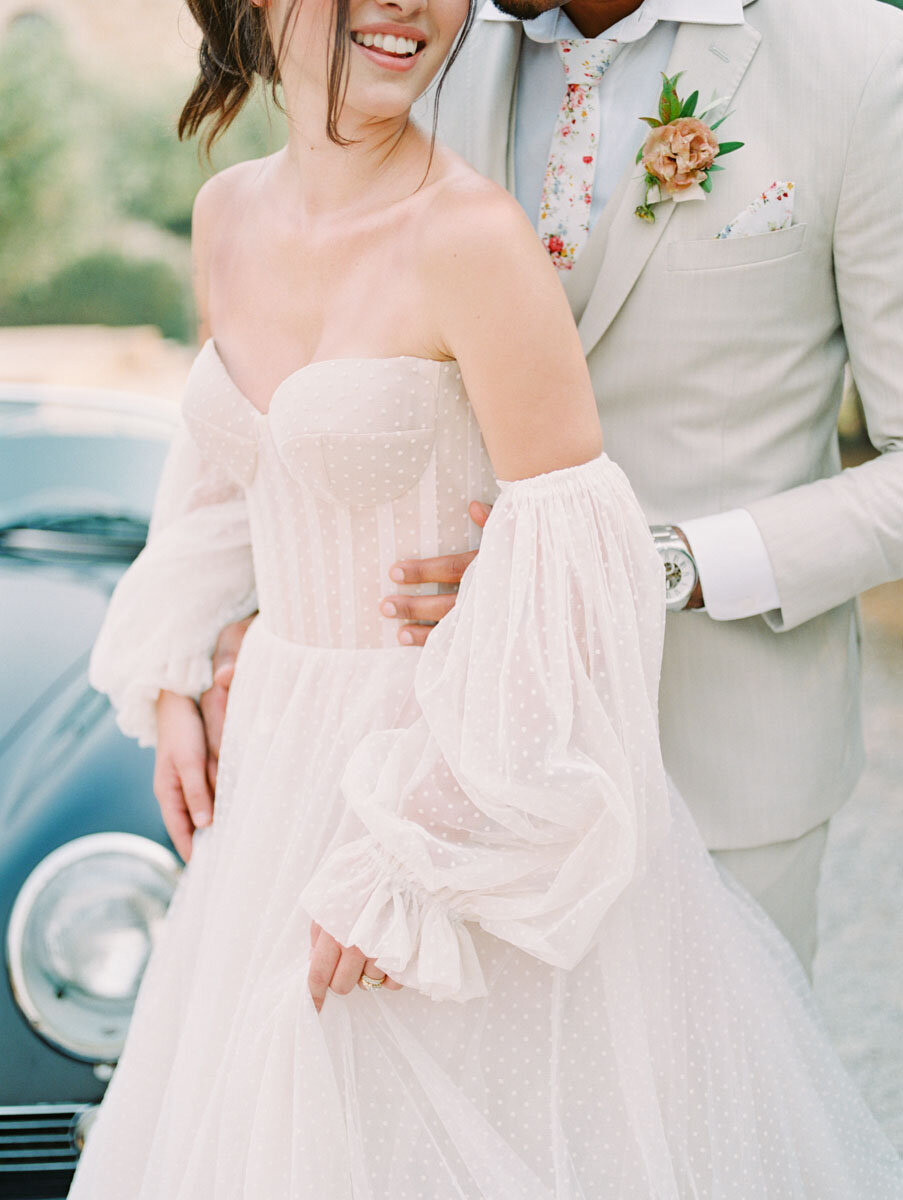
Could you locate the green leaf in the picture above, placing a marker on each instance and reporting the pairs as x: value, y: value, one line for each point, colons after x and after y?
x: 651, y: 122
x: 706, y: 184
x: 639, y: 154
x: 715, y: 167
x: 720, y: 121
x: 689, y: 105
x: 729, y: 148
x: 669, y: 104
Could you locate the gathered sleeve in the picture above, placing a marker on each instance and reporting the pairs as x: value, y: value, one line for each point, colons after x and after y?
x: 528, y: 792
x: 194, y: 576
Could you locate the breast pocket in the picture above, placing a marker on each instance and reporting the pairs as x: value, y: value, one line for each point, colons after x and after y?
x: 712, y: 254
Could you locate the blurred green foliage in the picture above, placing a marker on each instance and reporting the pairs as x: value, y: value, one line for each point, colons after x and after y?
x: 155, y: 177
x: 106, y: 288
x: 96, y: 190
x: 40, y: 196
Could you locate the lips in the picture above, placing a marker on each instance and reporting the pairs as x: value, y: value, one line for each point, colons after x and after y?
x: 393, y: 48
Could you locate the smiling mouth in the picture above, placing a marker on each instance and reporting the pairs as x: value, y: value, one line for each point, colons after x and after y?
x: 387, y: 43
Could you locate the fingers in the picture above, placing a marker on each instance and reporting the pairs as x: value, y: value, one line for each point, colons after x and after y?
x: 348, y: 970
x: 338, y: 968
x: 372, y: 971
x: 414, y: 635
x: 178, y: 824
x: 176, y: 818
x: 224, y: 672
x: 479, y: 512
x: 212, y: 768
x: 197, y: 793
x: 212, y: 704
x: 323, y: 961
x: 418, y: 608
x: 181, y: 770
x: 226, y: 651
x: 447, y: 569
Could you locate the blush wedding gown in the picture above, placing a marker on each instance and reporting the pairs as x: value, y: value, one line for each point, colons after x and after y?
x: 592, y: 1010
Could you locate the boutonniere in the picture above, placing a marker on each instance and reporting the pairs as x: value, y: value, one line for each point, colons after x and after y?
x: 679, y: 153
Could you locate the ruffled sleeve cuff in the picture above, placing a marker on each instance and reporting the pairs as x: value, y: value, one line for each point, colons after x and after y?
x: 134, y: 700
x: 166, y: 612
x: 364, y: 898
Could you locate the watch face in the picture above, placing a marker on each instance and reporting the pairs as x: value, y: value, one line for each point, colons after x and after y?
x: 680, y: 577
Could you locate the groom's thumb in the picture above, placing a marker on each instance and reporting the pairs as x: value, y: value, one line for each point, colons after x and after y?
x: 479, y: 512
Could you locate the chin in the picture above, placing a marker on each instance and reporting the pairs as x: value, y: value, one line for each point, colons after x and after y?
x: 383, y: 102
x: 525, y: 10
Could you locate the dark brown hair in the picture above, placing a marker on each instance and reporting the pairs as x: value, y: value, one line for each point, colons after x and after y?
x: 236, y: 49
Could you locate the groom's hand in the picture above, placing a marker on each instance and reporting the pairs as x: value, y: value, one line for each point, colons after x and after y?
x: 429, y: 609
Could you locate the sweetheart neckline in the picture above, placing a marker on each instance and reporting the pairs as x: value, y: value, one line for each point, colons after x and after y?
x: 320, y: 362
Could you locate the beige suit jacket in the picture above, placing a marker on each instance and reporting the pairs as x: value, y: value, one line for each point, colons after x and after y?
x: 718, y: 370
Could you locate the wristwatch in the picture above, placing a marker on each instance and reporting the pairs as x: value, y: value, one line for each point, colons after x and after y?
x: 681, y: 575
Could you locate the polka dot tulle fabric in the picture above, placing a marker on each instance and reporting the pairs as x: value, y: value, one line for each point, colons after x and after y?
x: 591, y: 1010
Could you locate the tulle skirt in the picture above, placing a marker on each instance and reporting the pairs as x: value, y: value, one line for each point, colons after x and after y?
x: 682, y: 1058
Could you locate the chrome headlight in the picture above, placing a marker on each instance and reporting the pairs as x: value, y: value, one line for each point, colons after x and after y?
x: 80, y: 934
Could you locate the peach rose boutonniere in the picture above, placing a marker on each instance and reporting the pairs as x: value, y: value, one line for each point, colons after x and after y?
x: 679, y: 153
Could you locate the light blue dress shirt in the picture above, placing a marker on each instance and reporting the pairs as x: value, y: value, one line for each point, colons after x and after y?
x: 629, y: 90
x: 737, y: 576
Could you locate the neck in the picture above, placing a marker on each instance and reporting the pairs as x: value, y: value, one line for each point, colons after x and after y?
x: 323, y: 180
x: 593, y: 17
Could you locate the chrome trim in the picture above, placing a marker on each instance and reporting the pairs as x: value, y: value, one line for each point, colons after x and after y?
x: 64, y: 856
x: 39, y: 1137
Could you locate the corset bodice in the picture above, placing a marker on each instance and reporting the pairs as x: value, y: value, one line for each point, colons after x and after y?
x: 357, y: 463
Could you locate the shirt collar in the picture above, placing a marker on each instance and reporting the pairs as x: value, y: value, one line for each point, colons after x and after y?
x: 555, y: 24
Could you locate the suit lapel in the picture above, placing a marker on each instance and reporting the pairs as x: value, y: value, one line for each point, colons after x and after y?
x: 492, y: 71
x: 714, y: 59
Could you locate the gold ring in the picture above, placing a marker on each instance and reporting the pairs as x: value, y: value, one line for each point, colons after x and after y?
x: 369, y: 984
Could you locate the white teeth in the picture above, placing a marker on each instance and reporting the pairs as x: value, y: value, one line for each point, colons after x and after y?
x: 387, y: 42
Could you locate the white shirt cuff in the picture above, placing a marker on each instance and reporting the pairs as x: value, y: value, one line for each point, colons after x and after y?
x: 734, y: 568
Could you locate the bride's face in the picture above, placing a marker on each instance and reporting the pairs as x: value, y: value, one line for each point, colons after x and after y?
x: 395, y: 48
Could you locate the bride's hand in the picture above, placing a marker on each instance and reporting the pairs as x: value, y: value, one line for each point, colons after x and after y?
x: 338, y: 968
x: 180, y: 782
x: 213, y: 701
x: 448, y: 568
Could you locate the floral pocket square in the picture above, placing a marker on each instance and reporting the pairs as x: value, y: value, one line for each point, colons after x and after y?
x: 773, y: 210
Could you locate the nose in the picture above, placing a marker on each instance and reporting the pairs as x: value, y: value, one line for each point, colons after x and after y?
x: 400, y: 10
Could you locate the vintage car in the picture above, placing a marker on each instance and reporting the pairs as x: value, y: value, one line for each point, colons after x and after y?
x: 86, y: 867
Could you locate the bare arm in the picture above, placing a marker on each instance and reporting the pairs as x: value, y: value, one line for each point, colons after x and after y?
x: 189, y: 733
x: 478, y: 286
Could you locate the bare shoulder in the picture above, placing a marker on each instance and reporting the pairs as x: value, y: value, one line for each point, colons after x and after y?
x: 213, y: 203
x: 218, y: 193
x: 472, y: 221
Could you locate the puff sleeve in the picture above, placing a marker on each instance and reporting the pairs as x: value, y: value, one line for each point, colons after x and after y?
x: 194, y: 576
x: 529, y: 790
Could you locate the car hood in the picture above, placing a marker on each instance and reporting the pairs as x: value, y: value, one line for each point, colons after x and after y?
x: 49, y: 618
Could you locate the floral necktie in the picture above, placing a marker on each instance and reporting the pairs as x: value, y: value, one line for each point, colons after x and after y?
x: 567, y: 189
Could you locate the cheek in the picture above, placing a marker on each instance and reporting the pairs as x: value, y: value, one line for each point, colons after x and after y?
x: 307, y: 36
x: 449, y: 16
